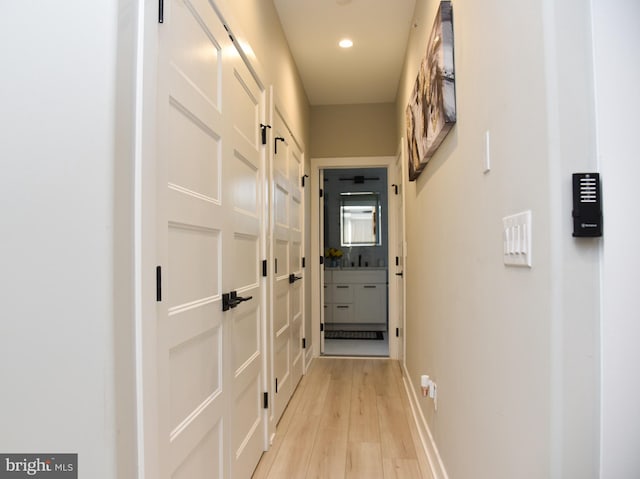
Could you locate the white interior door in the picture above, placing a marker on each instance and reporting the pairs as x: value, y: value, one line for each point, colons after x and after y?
x: 247, y: 324
x: 296, y: 170
x: 287, y: 244
x: 210, y: 241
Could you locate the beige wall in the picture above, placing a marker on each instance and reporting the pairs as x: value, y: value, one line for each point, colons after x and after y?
x: 353, y: 130
x: 514, y: 351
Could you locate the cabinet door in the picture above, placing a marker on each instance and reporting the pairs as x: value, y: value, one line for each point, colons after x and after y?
x: 343, y: 313
x: 370, y: 302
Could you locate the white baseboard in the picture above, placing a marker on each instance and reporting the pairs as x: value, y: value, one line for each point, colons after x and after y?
x: 431, y: 450
x: 307, y: 359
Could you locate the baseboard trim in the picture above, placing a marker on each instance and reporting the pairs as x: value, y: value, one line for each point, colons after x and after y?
x: 429, y: 445
x: 309, y: 357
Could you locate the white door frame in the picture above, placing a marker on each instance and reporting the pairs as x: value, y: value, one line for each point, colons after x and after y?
x: 401, y: 296
x: 318, y: 164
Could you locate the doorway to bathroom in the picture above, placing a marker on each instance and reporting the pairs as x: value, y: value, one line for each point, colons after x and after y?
x: 354, y: 237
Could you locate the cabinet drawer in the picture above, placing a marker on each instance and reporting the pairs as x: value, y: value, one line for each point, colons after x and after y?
x: 341, y: 293
x: 366, y: 276
x: 342, y: 313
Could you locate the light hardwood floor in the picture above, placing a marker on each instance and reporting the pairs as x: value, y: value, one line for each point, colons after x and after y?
x: 349, y: 418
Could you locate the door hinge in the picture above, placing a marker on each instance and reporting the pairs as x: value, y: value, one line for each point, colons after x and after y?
x: 158, y: 283
x: 276, y: 385
x: 160, y: 11
x: 397, y: 261
x: 264, y: 267
x: 303, y: 262
x: 397, y: 332
x: 228, y: 32
x: 263, y: 129
x: 321, y: 192
x: 321, y: 327
x: 395, y: 187
x: 321, y: 259
x: 304, y: 343
x: 266, y: 401
x: 275, y: 270
x: 226, y: 302
x: 303, y: 177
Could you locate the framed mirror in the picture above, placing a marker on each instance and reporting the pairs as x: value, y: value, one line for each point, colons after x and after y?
x: 360, y: 219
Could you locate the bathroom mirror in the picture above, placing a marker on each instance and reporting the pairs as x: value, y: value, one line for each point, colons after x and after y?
x: 360, y: 219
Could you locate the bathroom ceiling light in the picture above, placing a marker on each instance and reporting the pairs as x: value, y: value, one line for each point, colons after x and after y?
x: 345, y: 43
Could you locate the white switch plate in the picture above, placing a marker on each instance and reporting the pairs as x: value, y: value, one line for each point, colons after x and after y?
x: 516, y: 237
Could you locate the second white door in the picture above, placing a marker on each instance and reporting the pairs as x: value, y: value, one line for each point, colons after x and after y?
x: 288, y: 284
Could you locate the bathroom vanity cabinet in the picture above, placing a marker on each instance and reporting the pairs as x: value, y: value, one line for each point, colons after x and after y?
x: 355, y: 296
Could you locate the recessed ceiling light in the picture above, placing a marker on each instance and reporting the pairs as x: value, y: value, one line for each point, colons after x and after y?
x: 345, y: 43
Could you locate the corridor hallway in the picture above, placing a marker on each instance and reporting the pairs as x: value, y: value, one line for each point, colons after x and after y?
x: 349, y: 418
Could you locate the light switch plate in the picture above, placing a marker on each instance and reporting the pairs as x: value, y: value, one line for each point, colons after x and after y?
x: 516, y: 237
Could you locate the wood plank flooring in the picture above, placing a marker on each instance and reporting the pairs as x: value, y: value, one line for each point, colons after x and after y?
x: 349, y: 418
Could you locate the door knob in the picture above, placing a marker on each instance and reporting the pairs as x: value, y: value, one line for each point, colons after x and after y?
x: 293, y: 278
x: 399, y: 274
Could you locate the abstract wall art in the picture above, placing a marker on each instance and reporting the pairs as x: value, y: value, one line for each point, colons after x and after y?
x: 431, y: 111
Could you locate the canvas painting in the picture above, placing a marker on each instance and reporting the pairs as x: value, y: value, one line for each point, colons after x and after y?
x: 431, y: 111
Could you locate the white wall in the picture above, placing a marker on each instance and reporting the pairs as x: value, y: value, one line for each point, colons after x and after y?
x: 514, y: 351
x: 66, y: 65
x: 617, y: 70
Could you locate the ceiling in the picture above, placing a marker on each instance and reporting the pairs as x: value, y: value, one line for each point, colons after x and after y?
x: 369, y: 71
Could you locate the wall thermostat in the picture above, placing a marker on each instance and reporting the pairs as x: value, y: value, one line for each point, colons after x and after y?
x: 587, y: 205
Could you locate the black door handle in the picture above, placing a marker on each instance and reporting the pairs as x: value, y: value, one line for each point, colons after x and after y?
x: 399, y: 274
x: 232, y: 300
x: 293, y: 278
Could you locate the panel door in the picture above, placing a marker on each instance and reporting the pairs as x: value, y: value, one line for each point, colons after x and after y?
x: 296, y: 170
x: 288, y: 300
x: 245, y: 185
x: 210, y: 179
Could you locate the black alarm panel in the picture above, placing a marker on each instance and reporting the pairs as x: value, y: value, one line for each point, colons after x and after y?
x: 587, y: 205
